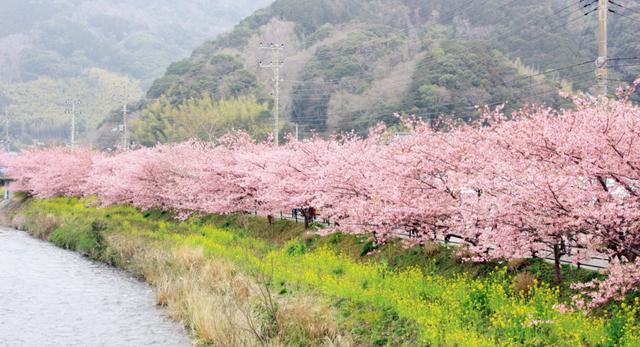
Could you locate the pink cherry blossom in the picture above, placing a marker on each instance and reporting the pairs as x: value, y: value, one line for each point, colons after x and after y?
x: 536, y: 182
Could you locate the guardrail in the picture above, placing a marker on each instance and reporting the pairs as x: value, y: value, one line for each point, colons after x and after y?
x: 598, y: 262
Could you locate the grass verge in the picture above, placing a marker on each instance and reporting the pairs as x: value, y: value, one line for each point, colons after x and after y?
x: 236, y: 280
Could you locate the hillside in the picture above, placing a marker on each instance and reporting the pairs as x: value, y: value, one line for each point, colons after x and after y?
x: 61, y: 38
x: 47, y: 44
x: 350, y: 63
x: 38, y: 112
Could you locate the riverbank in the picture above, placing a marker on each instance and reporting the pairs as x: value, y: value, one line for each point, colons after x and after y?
x: 239, y: 281
x: 54, y: 297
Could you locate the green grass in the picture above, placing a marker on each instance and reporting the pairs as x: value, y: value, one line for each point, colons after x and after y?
x: 386, y: 296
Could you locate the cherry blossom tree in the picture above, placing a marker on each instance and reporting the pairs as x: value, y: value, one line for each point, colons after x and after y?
x: 536, y: 183
x: 48, y: 173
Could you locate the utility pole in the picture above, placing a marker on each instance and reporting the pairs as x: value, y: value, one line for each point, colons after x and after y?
x: 602, y: 72
x: 275, y: 65
x: 125, y: 134
x: 7, y: 138
x: 297, y: 137
x: 122, y: 98
x: 72, y: 106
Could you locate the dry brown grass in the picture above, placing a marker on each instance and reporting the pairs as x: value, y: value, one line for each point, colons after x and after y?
x: 39, y: 225
x: 308, y: 236
x: 524, y: 282
x: 303, y: 318
x: 516, y: 264
x: 19, y: 221
x: 462, y: 255
x: 221, y: 305
x: 430, y: 248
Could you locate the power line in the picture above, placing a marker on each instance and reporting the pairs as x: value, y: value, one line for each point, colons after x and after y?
x: 321, y: 119
x: 515, y: 99
x: 427, y: 62
x: 317, y: 96
x: 501, y: 36
x: 625, y: 58
x: 311, y: 93
x: 624, y: 7
x: 625, y: 16
x: 296, y: 89
x: 300, y: 91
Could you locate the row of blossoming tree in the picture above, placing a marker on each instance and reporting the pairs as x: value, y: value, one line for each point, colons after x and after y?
x: 542, y: 180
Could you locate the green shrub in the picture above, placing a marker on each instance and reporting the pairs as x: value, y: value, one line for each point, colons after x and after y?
x: 297, y: 248
x: 367, y: 248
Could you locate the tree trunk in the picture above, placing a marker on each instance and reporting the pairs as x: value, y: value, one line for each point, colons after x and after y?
x: 307, y: 224
x: 245, y: 223
x: 307, y: 219
x: 557, y: 264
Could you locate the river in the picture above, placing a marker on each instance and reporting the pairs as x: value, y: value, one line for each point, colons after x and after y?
x: 53, y: 297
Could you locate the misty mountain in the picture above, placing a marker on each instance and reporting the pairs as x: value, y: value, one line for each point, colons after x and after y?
x: 348, y: 64
x: 61, y: 38
x: 103, y: 51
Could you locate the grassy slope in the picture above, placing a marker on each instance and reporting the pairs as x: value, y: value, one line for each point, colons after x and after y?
x: 391, y: 296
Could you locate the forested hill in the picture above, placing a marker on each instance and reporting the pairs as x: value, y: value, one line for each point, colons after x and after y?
x: 100, y: 51
x: 139, y: 38
x: 350, y: 63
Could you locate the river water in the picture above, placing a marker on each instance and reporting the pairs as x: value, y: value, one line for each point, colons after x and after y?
x: 53, y: 297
